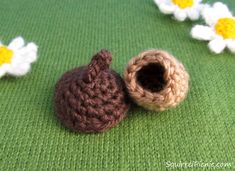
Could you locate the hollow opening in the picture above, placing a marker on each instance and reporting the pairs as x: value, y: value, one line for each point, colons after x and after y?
x: 151, y: 77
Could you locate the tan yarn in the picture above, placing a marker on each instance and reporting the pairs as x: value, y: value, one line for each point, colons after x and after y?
x: 156, y: 80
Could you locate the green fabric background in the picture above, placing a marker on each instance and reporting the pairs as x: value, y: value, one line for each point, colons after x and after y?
x: 68, y: 33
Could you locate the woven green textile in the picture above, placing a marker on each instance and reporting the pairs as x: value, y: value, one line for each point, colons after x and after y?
x: 68, y: 33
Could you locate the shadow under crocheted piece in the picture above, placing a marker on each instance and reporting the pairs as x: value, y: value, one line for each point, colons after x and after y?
x: 91, y: 106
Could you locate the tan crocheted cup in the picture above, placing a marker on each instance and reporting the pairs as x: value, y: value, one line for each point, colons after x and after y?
x: 156, y: 80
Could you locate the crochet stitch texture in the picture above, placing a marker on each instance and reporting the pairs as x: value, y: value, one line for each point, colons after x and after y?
x: 156, y: 80
x: 91, y: 98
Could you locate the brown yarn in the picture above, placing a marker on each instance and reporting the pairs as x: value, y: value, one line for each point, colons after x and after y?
x: 156, y: 80
x: 91, y: 98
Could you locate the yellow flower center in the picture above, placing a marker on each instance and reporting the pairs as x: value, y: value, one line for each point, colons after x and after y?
x: 183, y: 3
x: 226, y: 28
x: 5, y: 55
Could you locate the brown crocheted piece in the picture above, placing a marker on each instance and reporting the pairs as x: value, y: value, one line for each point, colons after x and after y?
x: 91, y: 98
x: 156, y: 80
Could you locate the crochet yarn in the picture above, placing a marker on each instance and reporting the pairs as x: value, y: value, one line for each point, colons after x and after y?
x: 16, y: 58
x: 219, y: 28
x: 156, y: 80
x: 181, y: 9
x: 91, y: 98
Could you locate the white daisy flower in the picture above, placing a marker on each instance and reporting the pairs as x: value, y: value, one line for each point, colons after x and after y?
x: 16, y: 58
x: 181, y: 9
x: 220, y: 29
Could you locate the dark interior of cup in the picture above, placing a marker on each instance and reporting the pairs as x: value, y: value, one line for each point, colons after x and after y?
x: 151, y: 77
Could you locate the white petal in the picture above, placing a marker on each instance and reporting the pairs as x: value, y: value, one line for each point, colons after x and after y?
x: 212, y: 14
x: 202, y: 32
x: 217, y: 45
x: 166, y: 9
x: 222, y: 8
x: 157, y: 2
x: 32, y: 46
x: 21, y: 64
x: 201, y: 7
x: 193, y: 13
x: 231, y: 45
x: 31, y: 57
x: 28, y: 53
x: 19, y: 70
x: 180, y: 15
x: 2, y: 72
x: 16, y: 43
x: 3, y: 69
x: 209, y: 16
x: 17, y: 59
